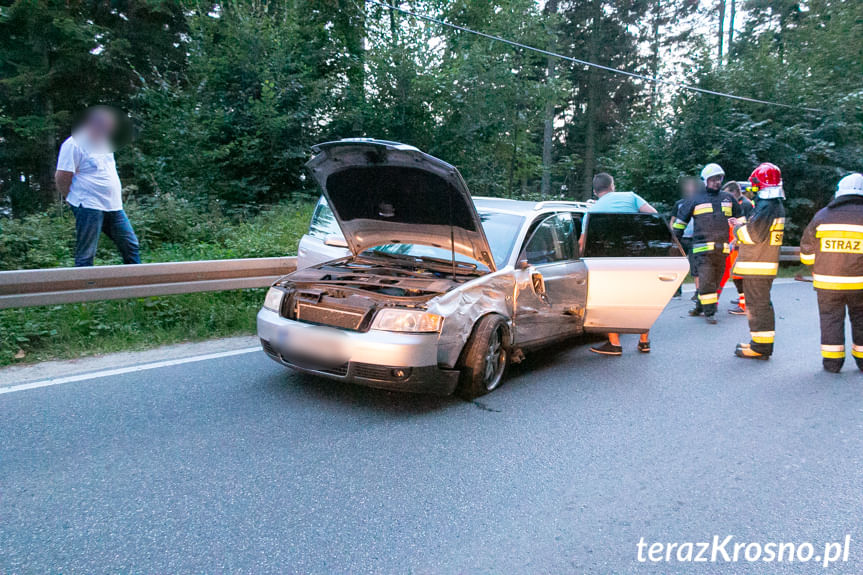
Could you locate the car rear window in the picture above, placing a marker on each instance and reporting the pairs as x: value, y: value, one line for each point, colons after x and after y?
x: 629, y: 235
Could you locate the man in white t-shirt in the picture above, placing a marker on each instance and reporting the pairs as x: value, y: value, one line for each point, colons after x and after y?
x: 87, y: 177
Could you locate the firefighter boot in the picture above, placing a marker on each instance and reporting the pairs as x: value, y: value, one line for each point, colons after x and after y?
x: 834, y: 365
x: 743, y: 350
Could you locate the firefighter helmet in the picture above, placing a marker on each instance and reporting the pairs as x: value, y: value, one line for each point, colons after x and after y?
x: 766, y: 179
x: 850, y: 184
x: 711, y: 170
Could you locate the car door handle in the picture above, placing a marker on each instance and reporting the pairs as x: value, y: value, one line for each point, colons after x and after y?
x: 667, y: 277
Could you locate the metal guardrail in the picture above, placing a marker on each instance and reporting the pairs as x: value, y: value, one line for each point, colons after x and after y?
x: 790, y: 254
x: 23, y: 288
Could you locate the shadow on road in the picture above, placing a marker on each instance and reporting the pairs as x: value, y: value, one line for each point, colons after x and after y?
x: 293, y: 387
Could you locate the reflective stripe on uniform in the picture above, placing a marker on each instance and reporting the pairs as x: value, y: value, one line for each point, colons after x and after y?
x: 702, y: 209
x: 678, y: 225
x: 743, y: 235
x: 778, y: 224
x: 807, y: 259
x: 756, y: 268
x: 857, y: 351
x: 698, y: 248
x: 837, y: 282
x: 762, y: 336
x: 839, y: 231
x: 708, y: 298
x: 833, y: 351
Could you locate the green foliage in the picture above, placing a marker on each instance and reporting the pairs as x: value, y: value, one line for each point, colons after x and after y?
x: 76, y: 330
x: 169, y: 229
x: 173, y: 231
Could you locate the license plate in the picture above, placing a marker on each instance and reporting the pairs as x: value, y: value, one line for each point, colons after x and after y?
x: 326, y: 345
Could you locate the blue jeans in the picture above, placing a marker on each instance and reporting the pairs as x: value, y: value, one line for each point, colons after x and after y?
x: 89, y: 223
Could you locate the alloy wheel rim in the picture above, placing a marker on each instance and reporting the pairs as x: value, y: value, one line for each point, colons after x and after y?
x: 495, y: 357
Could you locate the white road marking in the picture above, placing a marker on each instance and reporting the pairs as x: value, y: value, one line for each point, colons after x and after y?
x: 122, y: 370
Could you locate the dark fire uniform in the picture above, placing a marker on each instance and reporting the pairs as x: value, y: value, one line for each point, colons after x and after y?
x: 833, y: 244
x: 760, y: 242
x: 710, y: 210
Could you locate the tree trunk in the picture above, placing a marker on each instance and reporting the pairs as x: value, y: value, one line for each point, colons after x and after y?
x: 46, y: 161
x: 721, y: 29
x: 353, y: 22
x: 592, y: 111
x: 731, y: 29
x: 654, y: 57
x: 547, y: 138
x: 548, y: 124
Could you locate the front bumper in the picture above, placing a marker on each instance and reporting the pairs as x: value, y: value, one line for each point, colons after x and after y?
x: 385, y: 360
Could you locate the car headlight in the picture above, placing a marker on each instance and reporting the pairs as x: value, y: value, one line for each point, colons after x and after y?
x: 273, y: 301
x: 407, y: 320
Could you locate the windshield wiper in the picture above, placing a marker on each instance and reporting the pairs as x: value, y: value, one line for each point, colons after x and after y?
x: 466, y: 265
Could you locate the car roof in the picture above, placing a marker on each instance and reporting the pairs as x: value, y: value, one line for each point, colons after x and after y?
x: 525, y: 208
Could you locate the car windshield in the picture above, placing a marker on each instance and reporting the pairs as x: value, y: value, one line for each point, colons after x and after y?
x: 501, y: 230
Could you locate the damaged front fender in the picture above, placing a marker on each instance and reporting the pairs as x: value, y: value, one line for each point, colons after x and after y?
x: 465, y: 305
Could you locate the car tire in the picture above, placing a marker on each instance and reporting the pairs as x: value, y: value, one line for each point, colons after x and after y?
x: 484, y: 358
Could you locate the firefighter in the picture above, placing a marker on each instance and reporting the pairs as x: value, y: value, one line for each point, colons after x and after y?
x: 709, y: 210
x: 833, y: 244
x: 759, y: 239
x: 746, y: 207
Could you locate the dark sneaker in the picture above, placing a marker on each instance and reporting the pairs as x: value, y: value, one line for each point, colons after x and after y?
x: 743, y: 350
x: 607, y: 349
x: 737, y: 311
x: 735, y: 301
x: 710, y: 319
x: 695, y: 312
x: 644, y: 346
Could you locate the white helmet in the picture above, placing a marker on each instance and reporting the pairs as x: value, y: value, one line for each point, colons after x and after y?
x: 850, y: 184
x: 711, y: 170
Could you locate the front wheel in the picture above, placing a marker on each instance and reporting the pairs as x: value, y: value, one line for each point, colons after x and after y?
x: 484, y: 358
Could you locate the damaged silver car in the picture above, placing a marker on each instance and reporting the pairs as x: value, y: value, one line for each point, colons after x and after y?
x: 441, y: 291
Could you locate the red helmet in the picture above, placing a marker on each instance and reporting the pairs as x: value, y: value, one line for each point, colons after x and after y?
x: 766, y: 175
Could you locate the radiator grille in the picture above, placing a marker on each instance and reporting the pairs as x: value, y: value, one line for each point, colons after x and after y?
x: 342, y: 318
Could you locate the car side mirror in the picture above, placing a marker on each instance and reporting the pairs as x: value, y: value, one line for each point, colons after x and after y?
x: 336, y: 242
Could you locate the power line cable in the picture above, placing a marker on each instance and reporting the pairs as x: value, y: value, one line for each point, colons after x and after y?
x: 586, y: 63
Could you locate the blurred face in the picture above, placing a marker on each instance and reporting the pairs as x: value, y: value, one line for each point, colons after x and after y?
x: 688, y: 187
x: 714, y: 182
x: 100, y: 125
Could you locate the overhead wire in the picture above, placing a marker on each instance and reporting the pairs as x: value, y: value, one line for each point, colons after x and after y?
x: 652, y: 79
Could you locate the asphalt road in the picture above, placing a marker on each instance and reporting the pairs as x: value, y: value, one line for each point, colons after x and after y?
x: 236, y: 465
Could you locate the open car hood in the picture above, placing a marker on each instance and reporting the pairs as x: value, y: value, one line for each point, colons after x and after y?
x: 390, y: 193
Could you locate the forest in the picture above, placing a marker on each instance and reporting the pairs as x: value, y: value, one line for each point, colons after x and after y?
x: 226, y: 98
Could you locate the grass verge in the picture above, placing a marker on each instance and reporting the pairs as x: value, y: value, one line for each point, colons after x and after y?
x: 76, y: 330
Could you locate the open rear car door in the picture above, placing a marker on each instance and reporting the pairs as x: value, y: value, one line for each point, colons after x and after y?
x: 634, y: 266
